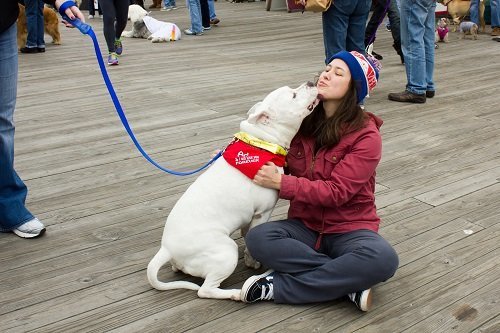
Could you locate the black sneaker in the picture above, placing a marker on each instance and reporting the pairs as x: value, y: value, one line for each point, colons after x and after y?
x: 28, y: 49
x: 258, y: 288
x: 362, y: 299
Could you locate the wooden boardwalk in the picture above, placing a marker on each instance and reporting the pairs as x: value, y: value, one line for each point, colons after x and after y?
x: 105, y: 206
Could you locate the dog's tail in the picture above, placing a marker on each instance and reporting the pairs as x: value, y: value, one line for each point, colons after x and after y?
x: 160, y: 259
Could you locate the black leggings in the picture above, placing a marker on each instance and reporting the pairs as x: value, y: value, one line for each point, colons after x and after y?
x: 114, y: 10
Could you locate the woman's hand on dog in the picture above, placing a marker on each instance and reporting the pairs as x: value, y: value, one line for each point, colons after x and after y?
x: 72, y: 12
x: 268, y: 176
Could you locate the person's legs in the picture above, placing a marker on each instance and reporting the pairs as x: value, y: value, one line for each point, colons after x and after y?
x: 495, y: 13
x: 13, y: 191
x: 91, y: 7
x: 349, y: 263
x: 429, y: 39
x: 40, y: 26
x: 195, y: 15
x: 211, y: 9
x: 205, y: 14
x: 121, y: 7
x: 393, y: 14
x: 474, y: 11
x: 356, y: 27
x: 285, y: 246
x: 335, y: 23
x: 413, y: 17
x: 378, y: 14
x: 108, y: 20
x: 31, y: 22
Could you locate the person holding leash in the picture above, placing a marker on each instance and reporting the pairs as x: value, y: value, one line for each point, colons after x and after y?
x: 329, y: 246
x: 14, y: 216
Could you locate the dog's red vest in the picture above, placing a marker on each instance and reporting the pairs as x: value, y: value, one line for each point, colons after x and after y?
x: 248, y: 159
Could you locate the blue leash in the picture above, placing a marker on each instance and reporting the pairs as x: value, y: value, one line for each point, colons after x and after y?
x: 87, y: 30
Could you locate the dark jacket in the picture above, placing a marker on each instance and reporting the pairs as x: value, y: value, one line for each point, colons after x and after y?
x: 9, y: 11
x: 333, y: 192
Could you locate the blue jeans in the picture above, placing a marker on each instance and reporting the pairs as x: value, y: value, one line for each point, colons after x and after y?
x: 495, y: 12
x: 34, y: 22
x: 211, y: 9
x: 13, y: 192
x: 169, y: 3
x: 417, y: 41
x: 195, y: 15
x: 344, y: 26
x: 344, y: 263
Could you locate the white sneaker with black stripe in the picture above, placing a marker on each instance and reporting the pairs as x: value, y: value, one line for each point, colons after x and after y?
x: 31, y: 229
x: 362, y: 299
x: 258, y: 288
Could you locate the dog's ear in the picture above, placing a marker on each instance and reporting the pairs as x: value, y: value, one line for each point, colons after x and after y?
x: 258, y: 114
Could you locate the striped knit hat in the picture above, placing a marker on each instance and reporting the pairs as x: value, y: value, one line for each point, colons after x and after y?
x: 363, y: 71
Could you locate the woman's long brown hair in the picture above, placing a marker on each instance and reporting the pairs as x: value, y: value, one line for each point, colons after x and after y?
x: 349, y: 117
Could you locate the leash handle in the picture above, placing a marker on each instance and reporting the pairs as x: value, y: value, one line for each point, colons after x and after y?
x: 87, y: 30
x: 83, y: 27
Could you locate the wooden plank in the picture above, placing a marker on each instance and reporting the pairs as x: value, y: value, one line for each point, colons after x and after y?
x: 467, y: 313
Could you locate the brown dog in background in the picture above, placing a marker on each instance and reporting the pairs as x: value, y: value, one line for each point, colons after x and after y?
x: 50, y: 22
x: 458, y: 9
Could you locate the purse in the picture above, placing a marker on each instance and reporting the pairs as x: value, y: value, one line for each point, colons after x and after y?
x: 316, y: 6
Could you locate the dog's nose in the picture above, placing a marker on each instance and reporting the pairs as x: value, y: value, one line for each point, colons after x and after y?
x: 310, y: 84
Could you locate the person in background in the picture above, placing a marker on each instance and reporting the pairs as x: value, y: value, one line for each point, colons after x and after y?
x: 495, y: 15
x: 115, y: 15
x: 380, y: 9
x: 417, y: 40
x: 344, y: 26
x: 196, y: 29
x: 168, y: 5
x: 329, y: 246
x: 92, y: 9
x: 213, y: 16
x: 35, y: 42
x: 14, y: 216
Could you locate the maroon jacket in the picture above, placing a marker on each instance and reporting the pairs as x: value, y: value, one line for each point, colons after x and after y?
x: 333, y: 192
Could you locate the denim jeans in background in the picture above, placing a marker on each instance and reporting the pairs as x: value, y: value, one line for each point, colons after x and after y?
x: 195, y: 15
x: 34, y: 22
x: 13, y: 192
x: 211, y: 9
x: 169, y: 3
x: 417, y: 41
x: 344, y: 26
x: 495, y: 12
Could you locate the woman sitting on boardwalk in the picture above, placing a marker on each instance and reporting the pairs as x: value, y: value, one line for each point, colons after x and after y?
x: 329, y: 246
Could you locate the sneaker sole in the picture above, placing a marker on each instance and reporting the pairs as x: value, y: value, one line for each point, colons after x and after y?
x: 27, y: 235
x: 365, y: 303
x: 249, y: 282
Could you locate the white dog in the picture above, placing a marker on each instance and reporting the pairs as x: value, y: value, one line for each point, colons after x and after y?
x: 196, y: 238
x: 144, y: 26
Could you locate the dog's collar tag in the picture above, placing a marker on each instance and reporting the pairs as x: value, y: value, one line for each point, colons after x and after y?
x: 256, y: 142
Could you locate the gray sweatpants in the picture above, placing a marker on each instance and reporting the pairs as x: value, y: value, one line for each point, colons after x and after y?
x: 344, y: 263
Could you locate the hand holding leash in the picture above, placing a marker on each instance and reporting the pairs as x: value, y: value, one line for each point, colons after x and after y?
x: 69, y: 12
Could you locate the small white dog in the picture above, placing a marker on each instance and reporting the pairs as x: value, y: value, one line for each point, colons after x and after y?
x: 196, y: 238
x: 145, y: 26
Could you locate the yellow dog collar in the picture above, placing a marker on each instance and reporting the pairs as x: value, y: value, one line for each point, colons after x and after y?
x: 256, y: 142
